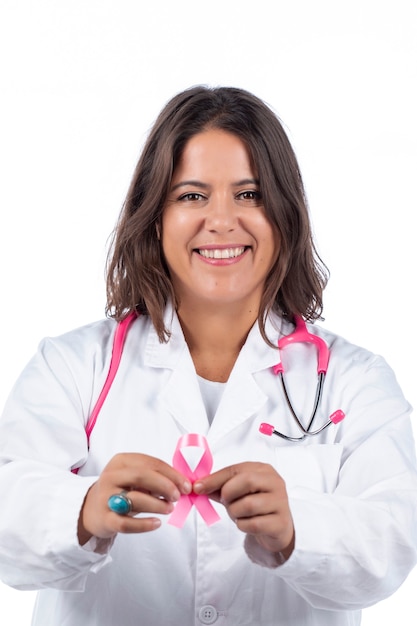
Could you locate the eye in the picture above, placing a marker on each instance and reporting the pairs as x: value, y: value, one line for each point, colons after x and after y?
x: 192, y: 196
x: 251, y: 195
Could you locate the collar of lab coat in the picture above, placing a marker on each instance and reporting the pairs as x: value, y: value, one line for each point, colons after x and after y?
x: 242, y: 396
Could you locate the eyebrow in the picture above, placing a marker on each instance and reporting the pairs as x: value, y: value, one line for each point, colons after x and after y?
x: 200, y: 185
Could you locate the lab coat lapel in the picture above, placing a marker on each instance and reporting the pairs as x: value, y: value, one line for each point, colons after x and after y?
x: 243, y: 397
x: 180, y: 395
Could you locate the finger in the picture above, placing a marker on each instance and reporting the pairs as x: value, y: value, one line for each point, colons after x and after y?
x: 258, y: 480
x: 259, y: 525
x: 172, y: 475
x: 253, y: 505
x: 147, y: 503
x: 274, y: 532
x: 158, y: 485
x: 137, y: 465
x: 238, y: 480
x: 128, y: 525
x: 166, y: 485
x: 214, y: 482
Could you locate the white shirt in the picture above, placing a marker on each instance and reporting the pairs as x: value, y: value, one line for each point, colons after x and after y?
x: 211, y: 393
x: 352, y: 490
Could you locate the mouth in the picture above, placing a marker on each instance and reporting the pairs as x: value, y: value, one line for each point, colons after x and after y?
x: 221, y: 253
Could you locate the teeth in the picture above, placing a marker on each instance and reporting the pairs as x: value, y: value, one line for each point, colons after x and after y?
x: 227, y: 253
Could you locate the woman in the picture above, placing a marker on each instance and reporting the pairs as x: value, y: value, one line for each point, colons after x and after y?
x: 214, y: 253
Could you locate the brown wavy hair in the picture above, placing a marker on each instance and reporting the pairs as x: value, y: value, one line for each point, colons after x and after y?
x: 137, y: 275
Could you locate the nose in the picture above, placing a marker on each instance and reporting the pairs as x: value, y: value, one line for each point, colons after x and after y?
x: 222, y: 215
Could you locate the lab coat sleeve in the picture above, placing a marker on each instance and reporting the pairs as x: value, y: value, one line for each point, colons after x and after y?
x: 41, y: 437
x: 357, y: 544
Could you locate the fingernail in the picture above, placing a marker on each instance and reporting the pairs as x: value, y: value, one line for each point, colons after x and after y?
x: 187, y: 487
x: 197, y: 487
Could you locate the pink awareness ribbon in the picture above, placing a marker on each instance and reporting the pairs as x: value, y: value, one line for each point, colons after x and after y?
x: 186, y: 502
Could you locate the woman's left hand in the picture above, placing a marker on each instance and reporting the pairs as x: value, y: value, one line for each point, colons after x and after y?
x: 255, y: 498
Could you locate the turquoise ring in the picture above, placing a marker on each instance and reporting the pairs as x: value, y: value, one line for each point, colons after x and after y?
x: 120, y: 503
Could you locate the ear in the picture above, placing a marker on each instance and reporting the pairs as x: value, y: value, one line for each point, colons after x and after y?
x: 158, y: 231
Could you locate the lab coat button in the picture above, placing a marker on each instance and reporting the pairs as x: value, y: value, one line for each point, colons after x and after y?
x: 207, y: 614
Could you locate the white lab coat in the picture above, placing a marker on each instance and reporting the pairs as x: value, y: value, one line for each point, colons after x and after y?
x: 352, y: 489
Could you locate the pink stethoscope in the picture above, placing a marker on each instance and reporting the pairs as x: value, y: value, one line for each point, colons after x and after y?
x: 301, y: 335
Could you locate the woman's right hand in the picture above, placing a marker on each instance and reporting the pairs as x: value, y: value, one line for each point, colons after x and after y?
x: 152, y: 486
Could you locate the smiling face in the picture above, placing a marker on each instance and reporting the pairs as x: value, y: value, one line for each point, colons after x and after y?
x: 217, y: 241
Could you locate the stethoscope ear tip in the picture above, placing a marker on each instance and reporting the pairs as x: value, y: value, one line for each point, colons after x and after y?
x: 337, y: 416
x: 266, y: 429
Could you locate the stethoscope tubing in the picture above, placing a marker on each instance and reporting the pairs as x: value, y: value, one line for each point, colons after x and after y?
x: 306, y: 431
x: 301, y: 335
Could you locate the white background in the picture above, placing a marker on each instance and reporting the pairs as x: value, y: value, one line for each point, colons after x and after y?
x: 83, y: 80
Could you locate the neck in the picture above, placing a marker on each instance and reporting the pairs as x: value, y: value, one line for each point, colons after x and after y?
x: 215, y: 338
